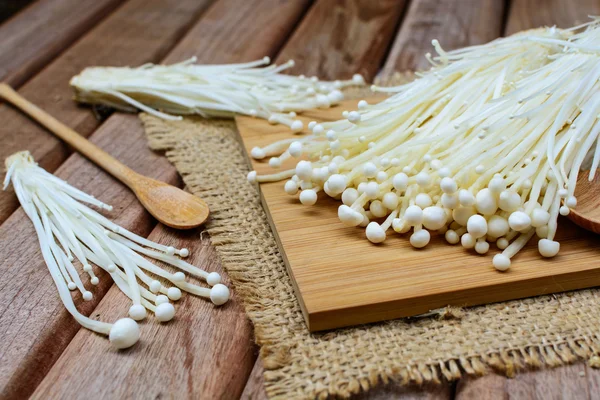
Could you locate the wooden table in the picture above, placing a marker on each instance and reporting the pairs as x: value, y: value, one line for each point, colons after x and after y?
x: 206, y: 352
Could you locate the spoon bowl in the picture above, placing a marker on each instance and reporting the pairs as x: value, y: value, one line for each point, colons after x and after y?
x: 587, y: 212
x: 170, y: 205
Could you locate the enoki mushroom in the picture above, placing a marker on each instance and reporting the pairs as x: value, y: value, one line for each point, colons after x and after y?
x: 485, y: 147
x: 69, y: 230
x: 210, y: 90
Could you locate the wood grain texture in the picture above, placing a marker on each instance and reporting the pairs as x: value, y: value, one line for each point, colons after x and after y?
x: 201, y: 354
x: 255, y: 386
x: 235, y: 31
x: 357, y: 282
x: 216, y: 343
x: 392, y: 391
x: 339, y: 38
x: 489, y: 387
x: 593, y: 382
x: 528, y: 14
x: 34, y: 323
x: 41, y: 31
x: 454, y: 23
x: 140, y: 31
x: 568, y: 382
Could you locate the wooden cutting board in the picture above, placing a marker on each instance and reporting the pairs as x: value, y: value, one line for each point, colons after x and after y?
x: 342, y: 279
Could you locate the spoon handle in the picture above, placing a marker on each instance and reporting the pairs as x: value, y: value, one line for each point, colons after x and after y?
x: 78, y: 142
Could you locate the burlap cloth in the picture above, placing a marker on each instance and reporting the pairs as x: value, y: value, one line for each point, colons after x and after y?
x: 531, y: 333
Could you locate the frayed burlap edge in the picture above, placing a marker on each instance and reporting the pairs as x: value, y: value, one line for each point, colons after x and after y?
x: 546, y: 331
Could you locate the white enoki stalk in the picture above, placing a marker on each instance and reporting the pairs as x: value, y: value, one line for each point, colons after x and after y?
x: 484, y: 147
x: 69, y: 230
x: 210, y: 90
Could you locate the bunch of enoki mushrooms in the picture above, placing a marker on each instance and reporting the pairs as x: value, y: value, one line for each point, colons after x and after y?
x: 484, y: 148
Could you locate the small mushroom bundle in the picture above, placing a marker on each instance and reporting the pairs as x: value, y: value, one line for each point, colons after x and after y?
x: 483, y: 148
x: 69, y: 231
x: 210, y: 90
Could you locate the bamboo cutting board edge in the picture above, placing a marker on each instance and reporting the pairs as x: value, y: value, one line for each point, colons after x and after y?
x: 530, y: 275
x: 265, y: 205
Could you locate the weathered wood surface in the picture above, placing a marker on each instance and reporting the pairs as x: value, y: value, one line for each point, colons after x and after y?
x: 255, y: 386
x: 339, y: 38
x: 209, y: 341
x: 256, y: 29
x: 576, y: 381
x: 31, y: 39
x: 36, y: 327
x: 453, y: 23
x: 139, y: 31
x: 54, y: 329
x: 529, y: 14
x: 255, y: 390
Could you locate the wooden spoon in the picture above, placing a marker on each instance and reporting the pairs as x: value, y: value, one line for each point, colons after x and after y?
x: 587, y: 212
x: 168, y: 204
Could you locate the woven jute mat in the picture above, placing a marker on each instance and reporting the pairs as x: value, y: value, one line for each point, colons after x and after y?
x: 507, y: 337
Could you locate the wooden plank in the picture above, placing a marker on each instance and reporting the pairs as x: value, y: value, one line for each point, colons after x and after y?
x: 339, y: 38
x: 255, y: 386
x: 528, y: 14
x: 140, y: 31
x: 593, y: 379
x: 425, y: 392
x: 489, y: 387
x: 233, y: 31
x: 568, y: 382
x: 215, y: 344
x: 454, y: 23
x: 40, y: 32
